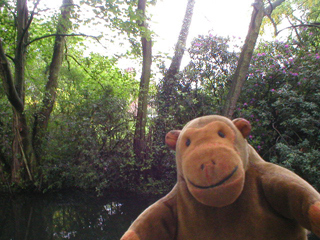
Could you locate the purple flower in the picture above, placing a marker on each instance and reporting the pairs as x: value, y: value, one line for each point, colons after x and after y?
x: 245, y: 104
x: 272, y: 90
x: 286, y: 46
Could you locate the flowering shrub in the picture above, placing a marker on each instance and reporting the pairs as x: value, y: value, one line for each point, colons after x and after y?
x: 281, y: 99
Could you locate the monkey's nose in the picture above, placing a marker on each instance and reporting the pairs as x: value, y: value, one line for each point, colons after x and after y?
x: 207, y: 165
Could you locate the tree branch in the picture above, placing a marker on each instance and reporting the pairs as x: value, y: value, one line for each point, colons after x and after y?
x: 74, y: 59
x: 43, y: 115
x: 246, y: 54
x: 271, y: 19
x: 296, y: 31
x: 31, y: 17
x: 273, y: 6
x: 239, y: 76
x: 25, y: 30
x: 64, y: 35
x: 181, y: 44
x: 8, y: 82
x: 316, y: 25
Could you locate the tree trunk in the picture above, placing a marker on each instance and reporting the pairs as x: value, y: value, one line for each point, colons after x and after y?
x: 139, y: 135
x: 43, y: 116
x: 24, y: 165
x: 168, y: 86
x: 239, y: 77
x: 15, y: 89
x: 170, y: 76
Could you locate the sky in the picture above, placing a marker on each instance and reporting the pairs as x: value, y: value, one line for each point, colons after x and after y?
x: 220, y: 17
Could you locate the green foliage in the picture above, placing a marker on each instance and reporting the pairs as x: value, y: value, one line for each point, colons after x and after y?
x: 90, y: 133
x: 281, y: 99
x: 121, y: 17
x: 89, y: 138
x: 296, y: 12
x: 208, y: 75
x: 201, y: 87
x: 196, y: 91
x: 87, y: 146
x: 91, y: 128
x: 5, y: 136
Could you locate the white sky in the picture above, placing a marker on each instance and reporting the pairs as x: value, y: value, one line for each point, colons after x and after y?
x: 221, y: 17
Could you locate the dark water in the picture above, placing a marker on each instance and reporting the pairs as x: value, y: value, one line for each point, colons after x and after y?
x: 68, y: 216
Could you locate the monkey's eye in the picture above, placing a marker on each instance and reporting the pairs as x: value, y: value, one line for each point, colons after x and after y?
x: 188, y: 142
x: 221, y: 134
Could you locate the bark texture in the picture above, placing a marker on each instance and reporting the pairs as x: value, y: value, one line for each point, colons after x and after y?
x: 168, y: 86
x: 25, y: 160
x: 43, y: 116
x: 140, y: 130
x: 259, y: 11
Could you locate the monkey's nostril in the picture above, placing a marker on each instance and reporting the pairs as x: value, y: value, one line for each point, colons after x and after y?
x: 202, y: 166
x: 213, y: 162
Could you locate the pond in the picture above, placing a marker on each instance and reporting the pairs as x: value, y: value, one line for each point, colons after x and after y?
x: 67, y: 216
x: 72, y: 215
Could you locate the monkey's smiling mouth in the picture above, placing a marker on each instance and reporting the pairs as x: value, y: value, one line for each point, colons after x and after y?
x: 218, y: 183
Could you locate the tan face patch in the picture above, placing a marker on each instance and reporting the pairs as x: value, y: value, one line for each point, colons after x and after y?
x: 210, y: 163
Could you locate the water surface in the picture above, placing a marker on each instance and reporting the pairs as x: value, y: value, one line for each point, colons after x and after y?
x: 67, y: 216
x: 71, y: 215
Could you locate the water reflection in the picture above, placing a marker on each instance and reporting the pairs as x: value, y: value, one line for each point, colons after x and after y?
x: 67, y: 216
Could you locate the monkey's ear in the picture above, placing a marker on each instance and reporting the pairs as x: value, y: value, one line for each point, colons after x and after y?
x: 243, y: 125
x: 172, y: 138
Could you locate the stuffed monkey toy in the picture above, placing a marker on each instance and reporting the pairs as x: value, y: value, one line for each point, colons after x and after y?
x: 226, y: 191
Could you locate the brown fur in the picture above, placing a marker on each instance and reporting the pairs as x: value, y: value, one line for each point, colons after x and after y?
x: 226, y: 191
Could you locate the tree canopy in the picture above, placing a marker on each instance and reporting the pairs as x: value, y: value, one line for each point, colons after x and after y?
x: 68, y: 115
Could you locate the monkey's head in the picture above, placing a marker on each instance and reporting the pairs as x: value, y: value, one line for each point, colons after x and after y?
x: 212, y: 157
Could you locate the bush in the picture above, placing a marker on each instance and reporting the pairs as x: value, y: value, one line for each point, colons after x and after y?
x: 281, y: 99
